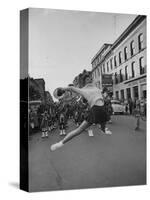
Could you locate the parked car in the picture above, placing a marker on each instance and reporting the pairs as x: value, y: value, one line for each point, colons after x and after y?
x: 117, y: 107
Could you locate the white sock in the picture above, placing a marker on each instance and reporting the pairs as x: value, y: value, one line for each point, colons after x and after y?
x: 90, y: 133
x: 61, y: 132
x: 43, y: 134
x: 46, y: 134
x: 107, y: 131
x: 56, y: 146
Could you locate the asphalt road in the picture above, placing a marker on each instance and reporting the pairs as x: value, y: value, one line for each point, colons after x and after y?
x: 90, y: 162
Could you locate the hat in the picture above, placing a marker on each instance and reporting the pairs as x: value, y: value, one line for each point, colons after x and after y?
x: 59, y: 93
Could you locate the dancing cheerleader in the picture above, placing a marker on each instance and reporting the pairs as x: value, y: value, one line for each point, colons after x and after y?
x: 96, y: 115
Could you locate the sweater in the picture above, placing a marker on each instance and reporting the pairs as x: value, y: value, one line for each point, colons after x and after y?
x: 91, y: 93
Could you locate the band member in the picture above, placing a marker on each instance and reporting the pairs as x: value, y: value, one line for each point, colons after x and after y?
x: 108, y: 106
x: 97, y: 113
x: 76, y: 117
x: 62, y: 124
x: 44, y: 124
x: 137, y: 115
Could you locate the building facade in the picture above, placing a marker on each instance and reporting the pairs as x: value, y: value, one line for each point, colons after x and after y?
x: 125, y: 60
x: 37, y: 91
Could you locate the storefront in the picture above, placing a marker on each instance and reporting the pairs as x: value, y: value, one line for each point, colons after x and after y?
x: 136, y: 89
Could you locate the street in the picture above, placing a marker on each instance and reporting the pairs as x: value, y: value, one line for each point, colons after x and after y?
x: 90, y: 162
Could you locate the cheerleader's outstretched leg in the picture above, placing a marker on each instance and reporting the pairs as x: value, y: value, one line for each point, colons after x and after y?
x: 71, y: 135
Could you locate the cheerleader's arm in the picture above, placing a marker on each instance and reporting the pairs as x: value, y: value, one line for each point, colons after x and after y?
x: 75, y: 89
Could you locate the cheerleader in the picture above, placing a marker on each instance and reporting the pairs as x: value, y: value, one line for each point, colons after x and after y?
x: 97, y: 113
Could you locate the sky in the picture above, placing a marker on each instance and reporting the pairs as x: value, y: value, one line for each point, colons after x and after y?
x: 62, y: 43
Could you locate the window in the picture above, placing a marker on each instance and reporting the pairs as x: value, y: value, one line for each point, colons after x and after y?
x: 111, y: 64
x: 121, y: 77
x: 140, y: 41
x: 132, y: 48
x: 104, y: 68
x: 133, y: 69
x: 116, y: 78
x: 115, y: 61
x: 126, y: 72
x: 117, y: 95
x: 122, y: 94
x: 107, y: 66
x: 142, y: 67
x: 120, y: 57
x: 125, y: 53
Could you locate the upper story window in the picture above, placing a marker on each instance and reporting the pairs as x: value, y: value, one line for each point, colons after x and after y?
x: 116, y: 78
x: 142, y: 66
x: 111, y: 63
x: 117, y: 95
x: 104, y: 68
x: 120, y: 57
x: 140, y: 41
x: 133, y: 69
x: 125, y: 53
x: 121, y: 76
x: 115, y: 61
x: 126, y: 73
x: 132, y: 48
x: 107, y: 66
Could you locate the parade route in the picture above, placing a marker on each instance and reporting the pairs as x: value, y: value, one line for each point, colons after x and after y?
x: 87, y: 162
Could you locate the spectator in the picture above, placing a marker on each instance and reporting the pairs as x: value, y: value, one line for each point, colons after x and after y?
x: 130, y: 106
